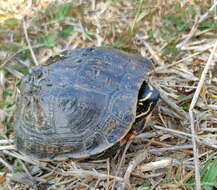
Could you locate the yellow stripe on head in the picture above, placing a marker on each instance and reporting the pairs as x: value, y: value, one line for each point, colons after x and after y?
x: 147, y: 111
x: 146, y: 98
x: 151, y: 88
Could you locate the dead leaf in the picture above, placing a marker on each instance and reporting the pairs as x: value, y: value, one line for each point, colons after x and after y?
x: 3, y: 178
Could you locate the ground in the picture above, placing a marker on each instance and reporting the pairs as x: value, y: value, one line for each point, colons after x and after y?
x: 177, y: 150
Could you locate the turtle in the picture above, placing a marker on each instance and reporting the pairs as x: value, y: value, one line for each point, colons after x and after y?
x: 83, y: 103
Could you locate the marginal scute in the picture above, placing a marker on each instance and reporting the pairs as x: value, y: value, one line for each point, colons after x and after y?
x: 114, y: 134
x: 95, y: 143
x: 113, y: 127
x: 80, y: 103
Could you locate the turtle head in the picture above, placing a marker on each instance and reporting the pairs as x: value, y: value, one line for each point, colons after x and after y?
x: 147, y: 99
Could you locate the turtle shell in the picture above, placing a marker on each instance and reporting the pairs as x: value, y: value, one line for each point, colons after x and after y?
x: 80, y: 104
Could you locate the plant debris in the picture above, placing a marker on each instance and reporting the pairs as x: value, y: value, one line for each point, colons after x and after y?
x: 177, y: 149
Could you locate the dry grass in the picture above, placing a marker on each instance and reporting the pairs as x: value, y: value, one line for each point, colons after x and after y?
x: 178, y: 147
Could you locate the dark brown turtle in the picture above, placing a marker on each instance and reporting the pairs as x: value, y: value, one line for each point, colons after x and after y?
x: 83, y: 103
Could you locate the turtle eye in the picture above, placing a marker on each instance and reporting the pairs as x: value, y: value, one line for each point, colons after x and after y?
x: 147, y: 99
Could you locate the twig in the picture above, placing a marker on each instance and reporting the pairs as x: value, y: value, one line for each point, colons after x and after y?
x: 108, y: 172
x: 28, y: 42
x: 93, y: 5
x: 196, y: 24
x: 193, y: 103
x: 204, y: 16
x: 153, y: 53
x: 9, y: 141
x: 20, y: 51
x: 191, y: 33
x: 171, y: 148
x: 199, y: 48
x: 83, y: 173
x: 165, y: 67
x: 146, y: 176
x: 172, y: 105
x: 203, y: 76
x: 195, y: 151
x: 170, y: 112
x: 155, y: 165
x: 27, y: 173
x: 180, y: 183
x: 185, y: 136
x: 8, y: 147
x: 8, y: 166
x: 148, y: 135
x: 159, y: 164
x: 64, y: 182
x: 26, y: 159
x: 132, y: 165
x: 123, y: 156
x: 121, y: 161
